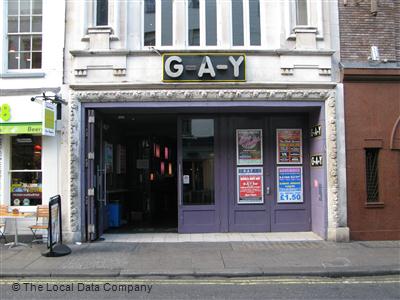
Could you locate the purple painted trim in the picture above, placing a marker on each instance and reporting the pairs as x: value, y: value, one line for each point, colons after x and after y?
x: 206, y: 104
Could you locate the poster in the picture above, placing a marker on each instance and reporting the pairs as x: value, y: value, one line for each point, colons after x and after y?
x: 250, y: 185
x: 249, y: 146
x: 289, y: 146
x: 290, y: 184
x: 55, y: 223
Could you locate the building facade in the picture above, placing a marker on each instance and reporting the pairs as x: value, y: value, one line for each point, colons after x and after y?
x: 31, y: 50
x: 204, y: 116
x: 370, y: 55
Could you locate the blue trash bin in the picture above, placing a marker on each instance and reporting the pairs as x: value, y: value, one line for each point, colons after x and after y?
x: 114, y: 214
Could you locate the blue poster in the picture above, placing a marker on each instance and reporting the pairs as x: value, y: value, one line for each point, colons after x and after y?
x: 290, y: 184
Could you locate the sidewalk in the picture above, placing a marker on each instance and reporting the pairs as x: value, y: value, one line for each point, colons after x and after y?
x: 199, y: 259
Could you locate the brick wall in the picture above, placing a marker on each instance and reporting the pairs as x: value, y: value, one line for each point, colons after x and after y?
x: 359, y: 30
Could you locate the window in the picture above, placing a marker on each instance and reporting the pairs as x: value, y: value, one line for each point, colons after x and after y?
x: 198, y: 161
x: 246, y: 23
x: 301, y: 12
x: 166, y: 22
x: 149, y: 23
x: 26, y: 173
x: 371, y: 172
x: 24, y: 33
x: 194, y: 23
x: 102, y: 12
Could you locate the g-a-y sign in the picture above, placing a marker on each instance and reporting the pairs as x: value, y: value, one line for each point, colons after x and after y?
x: 190, y: 67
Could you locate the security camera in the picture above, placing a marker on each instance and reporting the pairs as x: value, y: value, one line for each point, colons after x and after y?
x: 33, y: 99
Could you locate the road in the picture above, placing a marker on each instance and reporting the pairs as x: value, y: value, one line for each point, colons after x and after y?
x: 384, y: 287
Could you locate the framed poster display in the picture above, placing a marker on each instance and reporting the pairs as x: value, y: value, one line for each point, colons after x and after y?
x: 290, y: 184
x: 249, y: 147
x: 289, y: 146
x: 250, y: 185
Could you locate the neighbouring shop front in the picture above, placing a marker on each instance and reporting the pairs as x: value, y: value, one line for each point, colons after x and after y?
x: 29, y: 162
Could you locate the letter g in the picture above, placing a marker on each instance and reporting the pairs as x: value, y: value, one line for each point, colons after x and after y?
x: 178, y: 67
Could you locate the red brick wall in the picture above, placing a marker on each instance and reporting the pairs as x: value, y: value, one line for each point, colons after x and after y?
x: 359, y: 30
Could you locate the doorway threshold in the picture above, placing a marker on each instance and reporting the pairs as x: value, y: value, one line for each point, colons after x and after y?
x: 212, y: 237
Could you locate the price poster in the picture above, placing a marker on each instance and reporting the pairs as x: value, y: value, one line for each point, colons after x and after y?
x: 250, y: 185
x: 249, y: 146
x: 289, y: 146
x: 290, y: 184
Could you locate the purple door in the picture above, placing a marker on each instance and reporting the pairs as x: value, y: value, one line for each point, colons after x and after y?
x: 95, y: 190
x: 250, y: 179
x: 196, y: 166
x: 291, y: 207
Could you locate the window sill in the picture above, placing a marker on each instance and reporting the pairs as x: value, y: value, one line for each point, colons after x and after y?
x: 374, y: 205
x: 23, y: 75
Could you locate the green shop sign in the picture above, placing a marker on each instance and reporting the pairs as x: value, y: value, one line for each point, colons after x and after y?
x: 21, y: 128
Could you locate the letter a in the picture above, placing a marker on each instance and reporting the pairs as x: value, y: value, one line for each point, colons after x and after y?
x: 206, y: 67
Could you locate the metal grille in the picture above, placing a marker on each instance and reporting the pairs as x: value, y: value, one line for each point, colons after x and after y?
x: 371, y: 156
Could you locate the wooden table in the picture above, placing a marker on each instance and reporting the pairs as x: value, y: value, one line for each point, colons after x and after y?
x: 17, y: 216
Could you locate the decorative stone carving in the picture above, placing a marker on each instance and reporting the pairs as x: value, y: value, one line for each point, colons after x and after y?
x: 202, y: 95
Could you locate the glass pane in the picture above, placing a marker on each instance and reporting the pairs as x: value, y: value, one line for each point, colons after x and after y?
x: 36, y: 43
x: 26, y: 152
x: 102, y: 12
x: 12, y: 24
x: 37, y: 24
x: 25, y: 7
x: 36, y: 60
x: 237, y: 23
x: 211, y: 23
x: 25, y: 43
x: 12, y: 7
x: 12, y: 60
x: 254, y: 11
x: 26, y: 188
x: 24, y: 25
x: 198, y: 161
x: 25, y: 60
x: 13, y: 45
x: 149, y: 23
x: 194, y: 23
x: 166, y: 22
x: 37, y: 7
x: 301, y: 12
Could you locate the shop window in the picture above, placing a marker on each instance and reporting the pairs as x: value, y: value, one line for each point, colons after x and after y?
x: 102, y: 12
x: 198, y: 161
x: 24, y: 34
x: 26, y: 173
x: 371, y: 173
x: 301, y: 12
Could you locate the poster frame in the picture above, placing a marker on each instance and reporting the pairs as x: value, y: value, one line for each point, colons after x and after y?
x: 240, y: 162
x: 238, y: 185
x: 277, y: 147
x: 278, y: 196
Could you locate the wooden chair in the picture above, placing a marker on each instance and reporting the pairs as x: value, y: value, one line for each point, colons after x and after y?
x: 42, y: 222
x: 3, y: 211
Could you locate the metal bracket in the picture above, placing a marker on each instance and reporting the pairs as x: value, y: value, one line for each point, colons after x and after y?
x: 91, y: 119
x: 90, y: 155
x: 91, y: 228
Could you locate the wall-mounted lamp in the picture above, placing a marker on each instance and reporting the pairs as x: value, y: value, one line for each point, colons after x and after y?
x: 56, y: 98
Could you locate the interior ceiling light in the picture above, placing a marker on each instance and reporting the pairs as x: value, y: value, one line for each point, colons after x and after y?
x: 121, y: 117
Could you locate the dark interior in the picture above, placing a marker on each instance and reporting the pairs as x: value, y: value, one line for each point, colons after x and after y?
x: 139, y: 154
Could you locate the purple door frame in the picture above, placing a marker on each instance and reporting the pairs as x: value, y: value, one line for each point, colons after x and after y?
x: 215, y: 107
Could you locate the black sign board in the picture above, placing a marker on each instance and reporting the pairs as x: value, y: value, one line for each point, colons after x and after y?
x: 195, y: 67
x: 316, y: 131
x: 316, y: 160
x: 54, y: 239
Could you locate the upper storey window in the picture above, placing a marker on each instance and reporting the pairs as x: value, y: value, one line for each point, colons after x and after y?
x: 102, y: 12
x: 301, y: 12
x: 201, y: 23
x: 24, y: 34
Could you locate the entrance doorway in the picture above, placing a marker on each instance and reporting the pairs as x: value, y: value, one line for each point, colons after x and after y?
x: 196, y: 173
x: 132, y: 178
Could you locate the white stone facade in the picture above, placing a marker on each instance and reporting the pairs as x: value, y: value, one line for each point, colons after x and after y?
x: 111, y: 64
